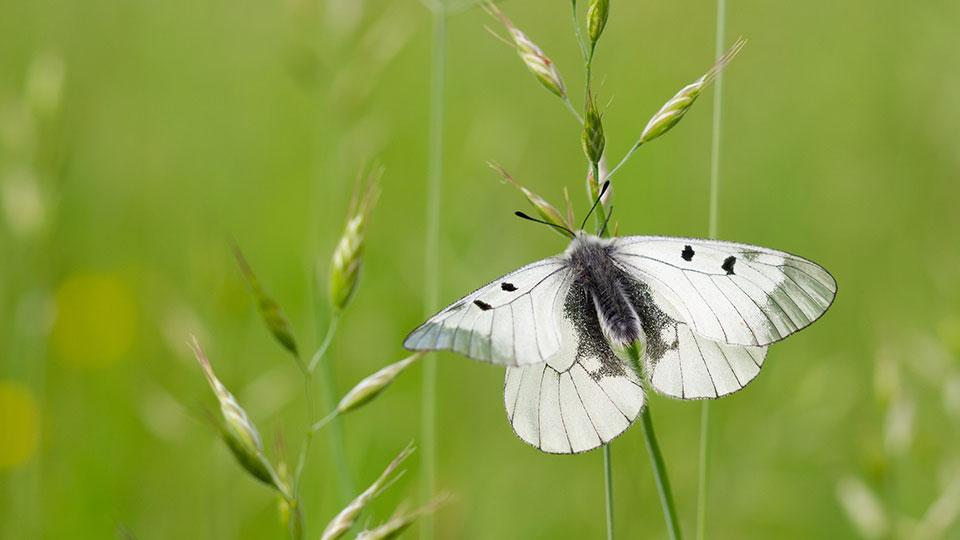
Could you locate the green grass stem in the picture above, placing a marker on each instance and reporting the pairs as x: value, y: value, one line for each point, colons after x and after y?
x: 324, y: 371
x: 432, y: 258
x: 608, y: 488
x: 712, y: 231
x: 660, y: 475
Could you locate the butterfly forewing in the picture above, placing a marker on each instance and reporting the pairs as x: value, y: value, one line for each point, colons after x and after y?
x: 510, y: 321
x: 731, y: 293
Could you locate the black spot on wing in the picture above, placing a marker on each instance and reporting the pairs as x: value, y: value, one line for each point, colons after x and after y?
x: 509, y: 287
x: 687, y: 253
x: 482, y: 305
x: 728, y: 263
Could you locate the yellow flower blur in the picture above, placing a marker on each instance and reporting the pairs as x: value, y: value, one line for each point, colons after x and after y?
x: 19, y: 424
x: 96, y: 320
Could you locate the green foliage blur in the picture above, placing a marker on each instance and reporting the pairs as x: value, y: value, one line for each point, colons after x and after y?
x: 138, y: 138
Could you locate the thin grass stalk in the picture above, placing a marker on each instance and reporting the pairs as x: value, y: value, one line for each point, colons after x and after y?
x: 608, y: 485
x: 607, y: 452
x: 712, y: 232
x: 703, y: 469
x: 660, y: 475
x: 432, y: 256
x: 345, y: 487
x: 717, y: 113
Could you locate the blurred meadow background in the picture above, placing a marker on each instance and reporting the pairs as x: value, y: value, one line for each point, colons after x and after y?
x: 136, y: 138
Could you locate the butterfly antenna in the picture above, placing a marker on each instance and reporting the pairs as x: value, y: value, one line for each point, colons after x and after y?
x: 603, y: 229
x: 560, y: 228
x: 603, y: 190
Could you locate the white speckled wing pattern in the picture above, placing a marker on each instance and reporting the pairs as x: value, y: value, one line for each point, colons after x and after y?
x: 510, y: 321
x: 730, y: 293
x: 581, y: 398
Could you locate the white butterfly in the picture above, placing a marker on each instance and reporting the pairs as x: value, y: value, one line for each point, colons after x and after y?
x: 706, y: 311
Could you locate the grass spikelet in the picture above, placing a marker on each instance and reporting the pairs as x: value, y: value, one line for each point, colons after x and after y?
x: 344, y: 521
x: 676, y: 107
x: 532, y: 55
x: 369, y: 388
x: 592, y: 136
x: 347, y: 260
x: 544, y: 209
x: 237, y: 429
x: 597, y: 13
x: 273, y: 315
x: 401, y: 520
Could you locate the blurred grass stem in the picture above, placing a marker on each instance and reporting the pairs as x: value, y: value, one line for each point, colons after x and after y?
x: 327, y: 340
x: 432, y: 254
x: 712, y: 232
x: 325, y: 376
x: 576, y: 29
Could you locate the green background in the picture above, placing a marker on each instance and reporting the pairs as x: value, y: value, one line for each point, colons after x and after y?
x: 184, y: 123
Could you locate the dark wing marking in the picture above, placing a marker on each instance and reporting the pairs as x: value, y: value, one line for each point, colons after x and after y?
x: 730, y: 293
x: 510, y: 321
x: 682, y: 364
x: 700, y: 368
x: 581, y: 398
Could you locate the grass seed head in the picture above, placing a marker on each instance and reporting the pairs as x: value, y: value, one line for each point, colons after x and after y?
x: 673, y: 110
x: 532, y: 55
x: 368, y: 389
x: 401, y: 520
x: 592, y: 136
x: 344, y: 521
x: 544, y: 209
x: 597, y: 13
x: 237, y: 429
x: 273, y: 315
x: 373, y: 385
x: 347, y: 260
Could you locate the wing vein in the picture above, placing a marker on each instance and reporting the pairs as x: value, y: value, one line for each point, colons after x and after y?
x: 735, y: 308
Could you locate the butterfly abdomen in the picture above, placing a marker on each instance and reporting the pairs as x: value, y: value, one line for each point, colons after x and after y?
x: 607, y: 286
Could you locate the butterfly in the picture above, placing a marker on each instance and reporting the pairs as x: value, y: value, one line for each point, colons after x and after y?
x: 704, y: 312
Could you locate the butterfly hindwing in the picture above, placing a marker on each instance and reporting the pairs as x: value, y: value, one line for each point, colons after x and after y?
x: 510, y: 321
x: 582, y: 397
x: 694, y: 367
x: 726, y: 292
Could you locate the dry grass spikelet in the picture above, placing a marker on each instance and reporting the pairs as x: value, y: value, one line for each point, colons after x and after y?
x: 345, y: 520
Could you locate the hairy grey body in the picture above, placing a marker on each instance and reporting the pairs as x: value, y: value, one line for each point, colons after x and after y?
x: 607, y: 286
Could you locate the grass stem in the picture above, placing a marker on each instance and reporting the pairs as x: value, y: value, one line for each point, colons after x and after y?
x: 328, y: 389
x: 703, y: 469
x: 712, y: 232
x: 432, y: 257
x: 572, y: 109
x: 608, y: 485
x: 660, y: 475
x: 576, y: 29
x: 327, y: 339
